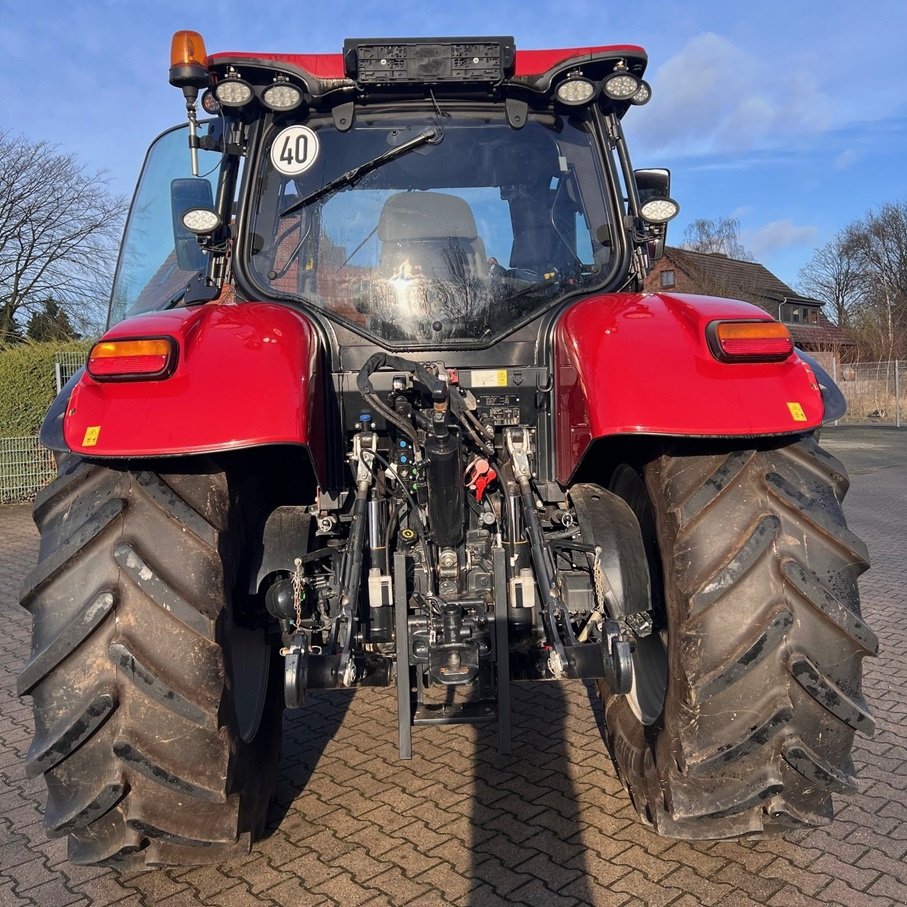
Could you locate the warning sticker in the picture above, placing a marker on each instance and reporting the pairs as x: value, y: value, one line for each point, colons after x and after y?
x: 797, y: 412
x: 294, y: 150
x: 490, y: 378
x: 91, y: 436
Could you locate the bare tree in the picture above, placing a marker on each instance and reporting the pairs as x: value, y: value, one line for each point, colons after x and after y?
x: 711, y: 236
x: 59, y: 228
x: 836, y: 275
x: 881, y: 246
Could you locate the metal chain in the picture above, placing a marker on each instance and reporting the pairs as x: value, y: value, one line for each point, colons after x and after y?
x: 297, y: 591
x: 599, y: 578
x: 599, y: 612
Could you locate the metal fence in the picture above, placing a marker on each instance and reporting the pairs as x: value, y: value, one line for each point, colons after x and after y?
x: 66, y: 365
x: 25, y: 468
x: 875, y: 391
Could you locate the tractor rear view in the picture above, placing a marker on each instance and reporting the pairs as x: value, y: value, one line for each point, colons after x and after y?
x: 381, y: 403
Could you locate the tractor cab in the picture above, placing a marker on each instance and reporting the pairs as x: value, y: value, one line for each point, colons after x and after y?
x: 421, y: 193
x: 465, y: 230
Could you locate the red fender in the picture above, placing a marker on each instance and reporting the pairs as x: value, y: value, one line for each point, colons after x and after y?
x: 246, y: 375
x: 641, y: 364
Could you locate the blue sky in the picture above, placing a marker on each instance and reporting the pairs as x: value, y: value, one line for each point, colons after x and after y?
x: 790, y: 116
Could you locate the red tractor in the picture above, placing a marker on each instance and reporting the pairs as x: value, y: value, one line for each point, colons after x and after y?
x: 381, y: 402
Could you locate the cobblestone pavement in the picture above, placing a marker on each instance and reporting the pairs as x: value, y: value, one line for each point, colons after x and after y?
x: 460, y: 824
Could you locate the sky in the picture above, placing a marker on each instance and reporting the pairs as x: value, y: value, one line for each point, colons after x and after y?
x: 789, y: 115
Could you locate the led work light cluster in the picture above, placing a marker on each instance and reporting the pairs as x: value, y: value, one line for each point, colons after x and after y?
x: 234, y: 91
x: 621, y: 85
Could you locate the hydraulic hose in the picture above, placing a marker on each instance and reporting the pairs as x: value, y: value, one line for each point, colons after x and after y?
x: 423, y: 375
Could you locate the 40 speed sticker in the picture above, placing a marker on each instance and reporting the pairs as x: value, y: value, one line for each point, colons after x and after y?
x: 294, y: 150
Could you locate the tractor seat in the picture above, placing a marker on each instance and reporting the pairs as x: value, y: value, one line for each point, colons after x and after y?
x: 430, y: 235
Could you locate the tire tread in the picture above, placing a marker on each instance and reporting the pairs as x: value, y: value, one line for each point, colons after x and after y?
x: 130, y: 648
x: 765, y: 643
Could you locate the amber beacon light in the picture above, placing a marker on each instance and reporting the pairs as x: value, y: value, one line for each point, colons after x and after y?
x: 188, y: 60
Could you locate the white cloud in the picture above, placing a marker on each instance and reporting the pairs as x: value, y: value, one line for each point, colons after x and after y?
x: 845, y: 159
x: 715, y: 96
x: 778, y: 234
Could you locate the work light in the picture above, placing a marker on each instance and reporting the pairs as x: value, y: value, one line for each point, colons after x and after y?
x: 659, y: 210
x: 281, y: 96
x: 575, y: 91
x: 233, y: 92
x: 201, y: 220
x: 621, y: 85
x: 642, y: 95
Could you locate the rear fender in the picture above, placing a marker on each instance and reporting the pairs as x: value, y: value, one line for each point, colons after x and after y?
x: 247, y: 375
x: 51, y: 434
x: 631, y: 364
x: 832, y: 399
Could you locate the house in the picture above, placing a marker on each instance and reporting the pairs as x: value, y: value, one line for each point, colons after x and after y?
x: 714, y: 274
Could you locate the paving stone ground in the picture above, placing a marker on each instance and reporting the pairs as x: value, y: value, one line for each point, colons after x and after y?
x: 461, y: 824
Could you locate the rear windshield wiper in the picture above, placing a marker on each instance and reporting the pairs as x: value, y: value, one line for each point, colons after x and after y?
x: 433, y: 135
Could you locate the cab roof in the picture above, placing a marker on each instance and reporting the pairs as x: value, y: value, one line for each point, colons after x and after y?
x: 534, y: 69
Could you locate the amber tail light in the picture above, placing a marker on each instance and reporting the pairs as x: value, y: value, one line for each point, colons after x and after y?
x: 146, y: 358
x: 749, y: 341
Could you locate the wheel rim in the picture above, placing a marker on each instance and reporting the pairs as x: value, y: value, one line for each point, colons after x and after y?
x: 650, y: 658
x: 251, y: 662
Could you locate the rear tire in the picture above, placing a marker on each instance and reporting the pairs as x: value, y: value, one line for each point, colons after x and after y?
x: 762, y: 632
x: 157, y: 721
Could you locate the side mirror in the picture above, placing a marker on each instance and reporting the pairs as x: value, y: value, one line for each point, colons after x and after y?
x: 652, y: 183
x: 184, y: 195
x: 656, y: 207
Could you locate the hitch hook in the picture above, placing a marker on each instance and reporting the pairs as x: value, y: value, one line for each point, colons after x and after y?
x: 618, y: 657
x: 295, y: 670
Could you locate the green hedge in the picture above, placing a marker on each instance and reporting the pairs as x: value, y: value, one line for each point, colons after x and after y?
x: 27, y: 385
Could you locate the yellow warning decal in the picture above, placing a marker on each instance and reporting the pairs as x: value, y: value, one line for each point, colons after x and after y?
x: 91, y: 436
x: 489, y: 378
x: 797, y: 412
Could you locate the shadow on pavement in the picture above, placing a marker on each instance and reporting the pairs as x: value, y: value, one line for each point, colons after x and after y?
x: 306, y: 733
x: 525, y: 820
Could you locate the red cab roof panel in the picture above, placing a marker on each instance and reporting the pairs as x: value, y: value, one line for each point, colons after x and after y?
x: 528, y: 62
x: 536, y: 62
